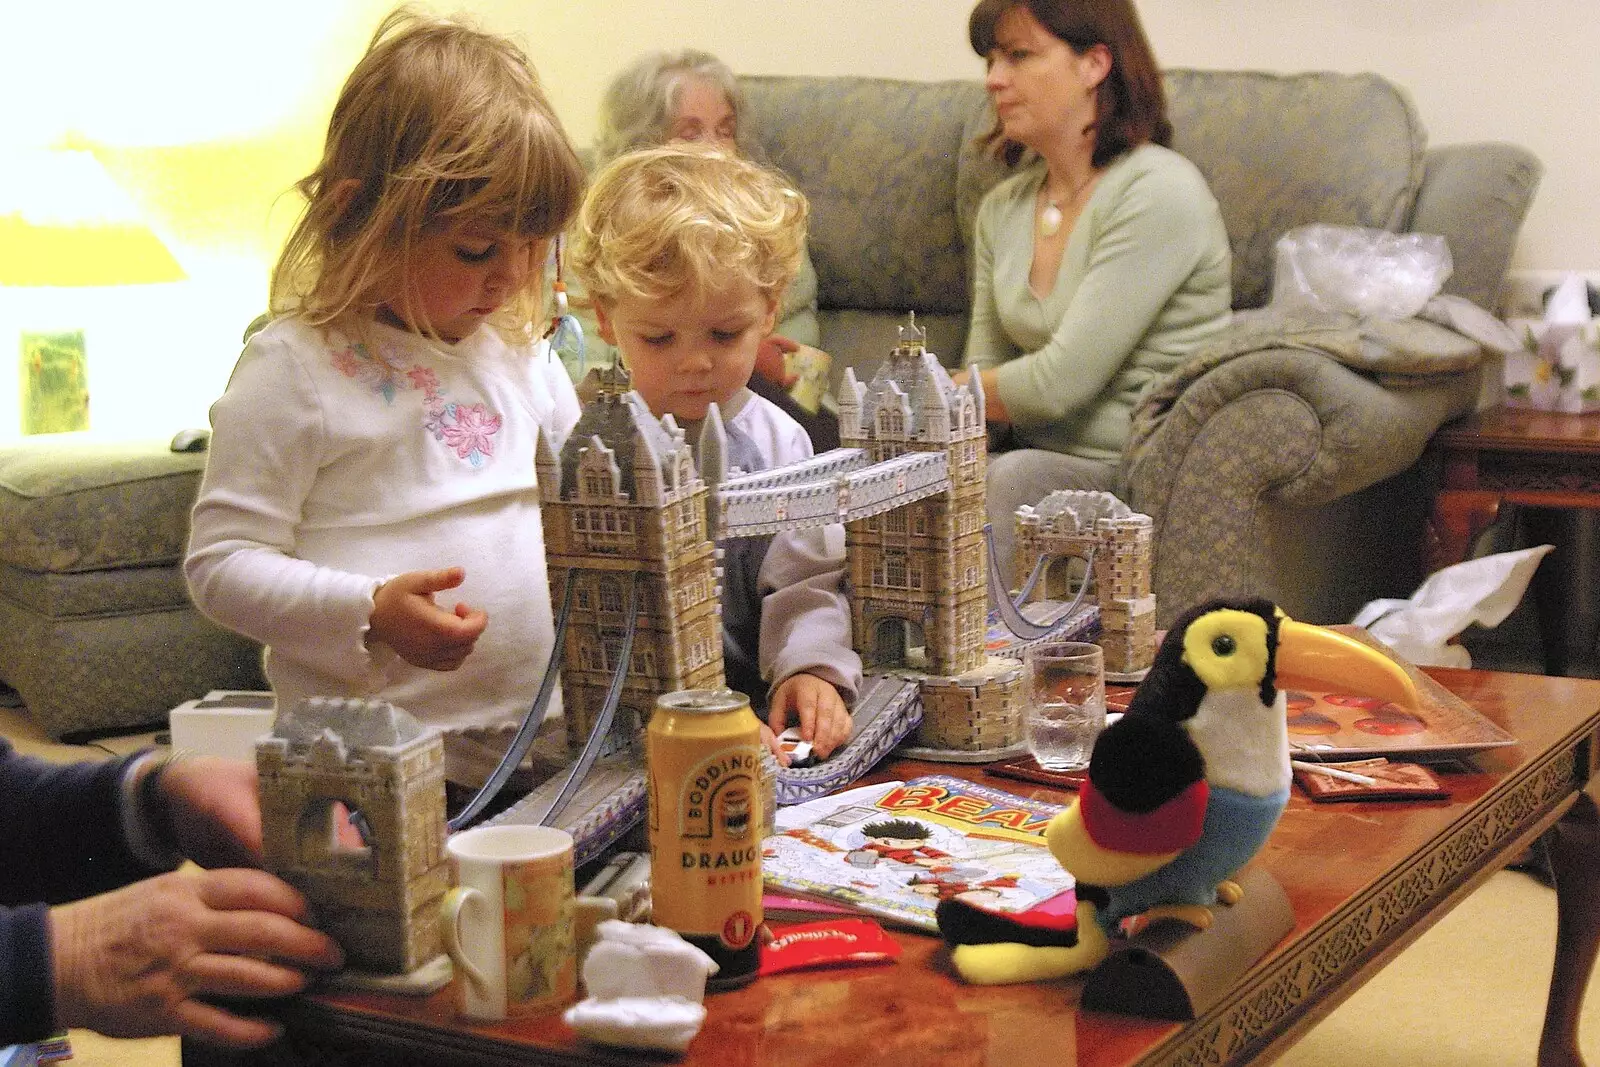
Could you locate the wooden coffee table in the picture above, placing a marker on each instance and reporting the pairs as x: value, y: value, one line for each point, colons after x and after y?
x: 1364, y: 879
x: 1535, y: 459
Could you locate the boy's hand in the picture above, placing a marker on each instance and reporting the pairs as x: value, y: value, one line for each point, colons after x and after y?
x: 816, y: 704
x: 770, y: 740
x: 405, y: 618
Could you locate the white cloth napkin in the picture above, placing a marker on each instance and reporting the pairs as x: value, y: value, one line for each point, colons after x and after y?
x: 644, y: 986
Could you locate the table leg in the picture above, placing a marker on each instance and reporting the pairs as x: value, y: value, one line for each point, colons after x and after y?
x: 1575, y: 858
x: 1459, y: 516
x: 1552, y: 583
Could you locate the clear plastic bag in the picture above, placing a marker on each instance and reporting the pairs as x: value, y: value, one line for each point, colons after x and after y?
x: 1360, y: 271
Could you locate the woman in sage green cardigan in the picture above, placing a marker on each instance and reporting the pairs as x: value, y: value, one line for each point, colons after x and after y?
x: 1097, y: 269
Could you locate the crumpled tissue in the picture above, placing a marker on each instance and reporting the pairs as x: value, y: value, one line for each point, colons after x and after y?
x: 1482, y: 591
x: 644, y: 987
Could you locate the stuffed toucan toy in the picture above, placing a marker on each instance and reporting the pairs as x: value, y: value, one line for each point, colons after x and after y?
x: 1185, y: 788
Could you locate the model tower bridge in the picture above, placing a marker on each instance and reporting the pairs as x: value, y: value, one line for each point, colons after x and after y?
x: 632, y: 520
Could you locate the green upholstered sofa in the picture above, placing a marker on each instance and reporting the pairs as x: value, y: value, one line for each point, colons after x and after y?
x: 1282, y: 472
x: 97, y: 633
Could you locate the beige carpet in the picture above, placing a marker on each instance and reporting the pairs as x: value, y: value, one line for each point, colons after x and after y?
x: 1469, y: 993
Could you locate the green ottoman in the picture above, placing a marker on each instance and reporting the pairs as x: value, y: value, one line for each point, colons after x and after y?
x: 97, y: 633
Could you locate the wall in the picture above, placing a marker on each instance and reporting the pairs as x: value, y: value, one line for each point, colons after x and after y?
x: 207, y: 112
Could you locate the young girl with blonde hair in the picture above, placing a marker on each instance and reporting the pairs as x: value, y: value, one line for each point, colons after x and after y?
x: 375, y: 445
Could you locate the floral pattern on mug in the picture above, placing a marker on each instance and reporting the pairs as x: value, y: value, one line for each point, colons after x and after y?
x: 540, y: 964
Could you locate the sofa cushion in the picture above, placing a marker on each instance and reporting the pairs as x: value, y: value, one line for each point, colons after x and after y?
x: 68, y: 506
x: 1281, y: 151
x: 97, y: 674
x: 877, y: 159
x: 118, y: 591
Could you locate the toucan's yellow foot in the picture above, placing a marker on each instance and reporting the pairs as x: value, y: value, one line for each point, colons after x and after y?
x: 1007, y: 963
x: 1229, y: 891
x: 1196, y: 915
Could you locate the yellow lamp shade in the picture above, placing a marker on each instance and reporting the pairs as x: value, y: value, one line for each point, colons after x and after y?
x: 108, y: 254
x: 63, y: 221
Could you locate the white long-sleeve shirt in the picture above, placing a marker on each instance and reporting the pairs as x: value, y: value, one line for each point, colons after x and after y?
x: 337, y: 464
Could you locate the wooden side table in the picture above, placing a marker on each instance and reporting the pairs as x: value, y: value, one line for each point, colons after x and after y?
x: 1534, y: 459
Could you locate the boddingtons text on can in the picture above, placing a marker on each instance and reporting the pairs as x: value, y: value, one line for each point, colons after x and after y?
x: 704, y: 755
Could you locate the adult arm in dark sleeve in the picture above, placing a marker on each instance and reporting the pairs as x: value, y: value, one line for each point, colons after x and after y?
x: 61, y: 837
x: 61, y: 830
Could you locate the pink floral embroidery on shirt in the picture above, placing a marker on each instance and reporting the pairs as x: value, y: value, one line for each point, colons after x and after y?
x: 381, y: 373
x: 472, y: 434
x: 467, y: 429
x: 423, y: 378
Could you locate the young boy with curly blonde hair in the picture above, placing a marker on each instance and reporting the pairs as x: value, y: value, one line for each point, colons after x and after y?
x: 686, y: 251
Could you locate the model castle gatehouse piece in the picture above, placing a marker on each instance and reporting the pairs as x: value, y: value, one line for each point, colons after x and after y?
x: 328, y: 757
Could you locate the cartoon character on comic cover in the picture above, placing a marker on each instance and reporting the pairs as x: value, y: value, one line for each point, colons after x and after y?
x: 897, y: 850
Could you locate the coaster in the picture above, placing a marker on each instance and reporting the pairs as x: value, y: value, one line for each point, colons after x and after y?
x: 1027, y: 769
x: 1391, y: 781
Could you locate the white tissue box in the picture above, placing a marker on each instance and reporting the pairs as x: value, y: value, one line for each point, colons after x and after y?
x: 1558, y: 370
x: 223, y: 723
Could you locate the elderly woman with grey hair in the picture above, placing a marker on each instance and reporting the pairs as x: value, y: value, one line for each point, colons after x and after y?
x: 690, y: 95
x: 670, y: 96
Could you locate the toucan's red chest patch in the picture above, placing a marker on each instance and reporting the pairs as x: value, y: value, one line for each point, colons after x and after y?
x: 1172, y: 827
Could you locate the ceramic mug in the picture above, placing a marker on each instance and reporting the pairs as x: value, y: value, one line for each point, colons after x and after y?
x: 508, y: 922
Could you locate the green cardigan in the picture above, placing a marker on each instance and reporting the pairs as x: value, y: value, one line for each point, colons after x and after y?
x: 1144, y: 282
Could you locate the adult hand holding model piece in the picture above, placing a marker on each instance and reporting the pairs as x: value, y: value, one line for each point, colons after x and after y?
x: 140, y: 961
x: 128, y: 950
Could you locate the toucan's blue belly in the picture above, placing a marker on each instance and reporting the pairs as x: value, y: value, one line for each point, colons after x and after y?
x: 1236, y: 826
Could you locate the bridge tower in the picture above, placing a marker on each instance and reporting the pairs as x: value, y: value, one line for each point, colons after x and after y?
x: 919, y: 573
x: 1072, y: 527
x: 623, y: 497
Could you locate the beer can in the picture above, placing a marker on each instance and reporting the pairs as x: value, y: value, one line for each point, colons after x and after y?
x: 703, y: 749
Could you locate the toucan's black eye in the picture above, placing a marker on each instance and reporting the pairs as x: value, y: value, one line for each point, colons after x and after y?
x: 1223, y: 645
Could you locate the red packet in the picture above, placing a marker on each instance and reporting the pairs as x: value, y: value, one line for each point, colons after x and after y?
x: 838, y: 943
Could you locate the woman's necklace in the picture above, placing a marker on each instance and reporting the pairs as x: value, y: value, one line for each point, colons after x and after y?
x: 1051, y: 217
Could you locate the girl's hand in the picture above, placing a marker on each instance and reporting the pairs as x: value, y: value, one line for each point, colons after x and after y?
x: 816, y: 704
x: 405, y: 618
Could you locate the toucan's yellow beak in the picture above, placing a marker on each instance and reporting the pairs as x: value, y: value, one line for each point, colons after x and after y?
x: 1329, y: 660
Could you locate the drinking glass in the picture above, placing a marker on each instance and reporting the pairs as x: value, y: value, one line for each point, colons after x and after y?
x: 1064, y: 694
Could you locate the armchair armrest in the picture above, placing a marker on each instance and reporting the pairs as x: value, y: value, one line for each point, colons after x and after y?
x: 1276, y: 431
